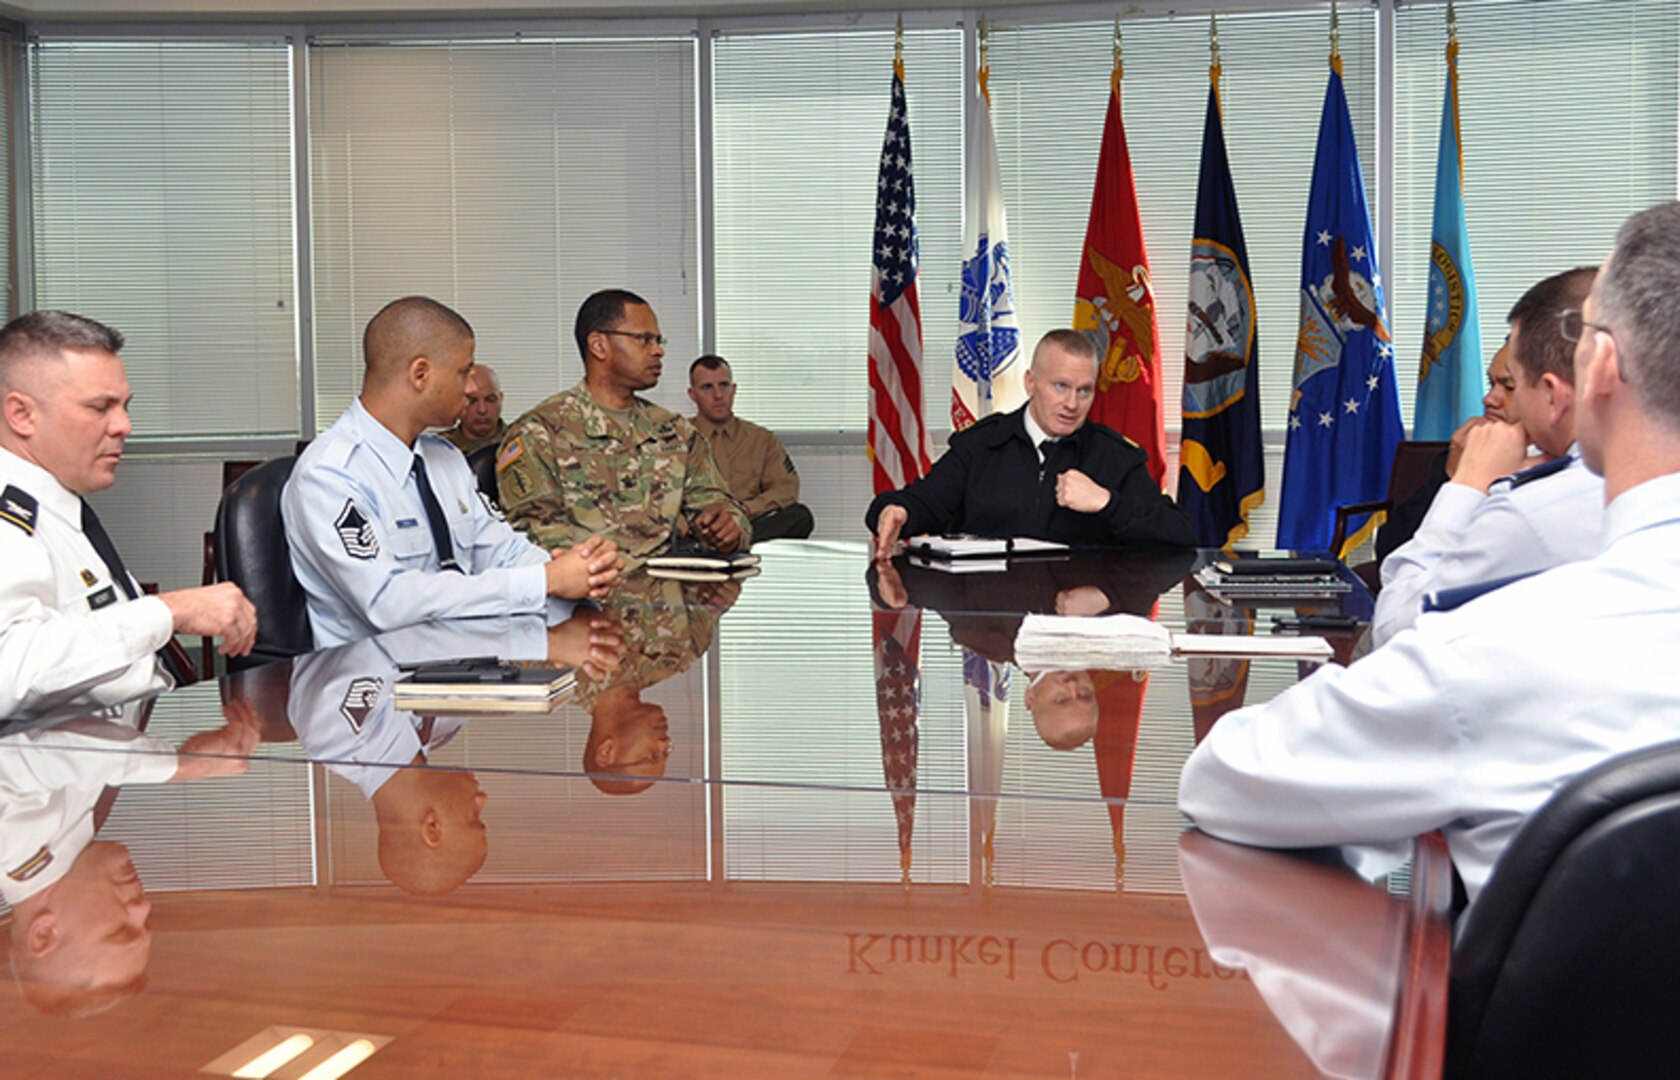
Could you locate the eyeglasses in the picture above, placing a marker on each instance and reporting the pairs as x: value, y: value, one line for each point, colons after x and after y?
x: 647, y: 338
x: 1571, y: 326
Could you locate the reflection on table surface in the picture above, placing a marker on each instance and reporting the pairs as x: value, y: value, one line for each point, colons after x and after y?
x: 793, y: 829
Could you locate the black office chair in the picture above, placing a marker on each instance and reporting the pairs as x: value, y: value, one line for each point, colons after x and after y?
x: 1566, y: 965
x: 251, y: 552
x: 483, y: 462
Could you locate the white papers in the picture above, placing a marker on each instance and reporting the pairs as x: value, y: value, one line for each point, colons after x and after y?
x: 1133, y: 643
x: 1300, y: 648
x: 1070, y: 643
x: 963, y: 547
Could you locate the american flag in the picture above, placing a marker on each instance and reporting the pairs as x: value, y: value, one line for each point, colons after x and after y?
x: 898, y: 703
x: 898, y: 440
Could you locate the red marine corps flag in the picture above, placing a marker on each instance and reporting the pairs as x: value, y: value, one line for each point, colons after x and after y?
x: 898, y: 440
x: 1115, y: 305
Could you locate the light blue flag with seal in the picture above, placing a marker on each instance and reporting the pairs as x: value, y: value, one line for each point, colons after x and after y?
x: 1450, y: 374
x: 1344, y: 416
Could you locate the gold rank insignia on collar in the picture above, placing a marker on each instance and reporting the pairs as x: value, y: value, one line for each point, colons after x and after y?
x: 88, y: 579
x: 37, y: 863
x: 461, y: 506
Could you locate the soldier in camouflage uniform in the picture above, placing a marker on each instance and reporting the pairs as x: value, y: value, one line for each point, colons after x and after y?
x: 599, y: 459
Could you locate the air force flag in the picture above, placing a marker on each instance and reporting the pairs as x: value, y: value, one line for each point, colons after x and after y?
x: 987, y: 377
x: 1344, y: 416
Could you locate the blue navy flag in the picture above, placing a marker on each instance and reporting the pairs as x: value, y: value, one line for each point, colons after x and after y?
x: 1222, y: 473
x: 1344, y: 416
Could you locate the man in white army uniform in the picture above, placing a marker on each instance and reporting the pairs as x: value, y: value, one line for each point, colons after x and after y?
x: 73, y: 628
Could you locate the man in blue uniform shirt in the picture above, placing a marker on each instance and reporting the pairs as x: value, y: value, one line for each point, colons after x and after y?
x: 1470, y: 719
x: 1040, y: 471
x: 386, y: 525
x: 1505, y: 513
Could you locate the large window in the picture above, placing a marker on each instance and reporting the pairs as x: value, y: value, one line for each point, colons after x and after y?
x: 509, y: 180
x: 163, y: 206
x: 798, y: 123
x: 1568, y: 112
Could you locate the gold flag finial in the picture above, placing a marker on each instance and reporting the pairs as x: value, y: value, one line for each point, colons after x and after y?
x: 1452, y: 25
x: 898, y: 45
x: 1119, y: 51
x: 985, y: 35
x: 1214, y: 66
x: 1335, y: 38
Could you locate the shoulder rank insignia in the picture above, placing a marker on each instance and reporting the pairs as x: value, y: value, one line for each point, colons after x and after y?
x: 37, y: 863
x: 1541, y: 471
x: 356, y: 531
x: 18, y: 507
x: 359, y: 700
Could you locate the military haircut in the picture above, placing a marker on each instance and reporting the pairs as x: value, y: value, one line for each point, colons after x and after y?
x: 1541, y: 348
x: 1639, y: 299
x: 46, y: 335
x: 410, y: 327
x: 711, y: 362
x: 602, y: 311
x: 1069, y: 341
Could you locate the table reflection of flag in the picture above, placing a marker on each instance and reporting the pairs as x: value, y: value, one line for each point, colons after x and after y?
x: 986, y: 707
x: 898, y: 701
x: 1217, y: 685
x: 1344, y: 416
x: 1119, y: 711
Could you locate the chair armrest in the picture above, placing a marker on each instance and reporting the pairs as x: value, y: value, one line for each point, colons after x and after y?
x: 1344, y: 515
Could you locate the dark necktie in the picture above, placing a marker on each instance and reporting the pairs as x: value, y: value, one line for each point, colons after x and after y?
x: 435, y: 518
x: 94, y: 530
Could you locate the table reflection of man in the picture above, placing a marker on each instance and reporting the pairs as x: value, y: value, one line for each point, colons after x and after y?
x: 432, y: 836
x: 80, y: 935
x: 665, y: 626
x: 985, y: 610
x: 1318, y: 942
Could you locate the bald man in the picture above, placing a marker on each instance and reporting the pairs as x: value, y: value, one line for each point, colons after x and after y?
x: 481, y: 422
x: 386, y: 525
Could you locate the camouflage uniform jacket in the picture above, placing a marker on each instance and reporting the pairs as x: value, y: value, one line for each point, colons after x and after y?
x: 568, y: 470
x: 465, y: 443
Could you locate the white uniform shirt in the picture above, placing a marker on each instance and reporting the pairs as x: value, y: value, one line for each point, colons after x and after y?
x: 68, y: 632
x: 362, y: 547
x: 340, y: 702
x: 1470, y: 720
x: 1521, y: 526
x: 50, y: 781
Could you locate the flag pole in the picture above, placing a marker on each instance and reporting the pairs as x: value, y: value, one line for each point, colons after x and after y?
x: 898, y: 46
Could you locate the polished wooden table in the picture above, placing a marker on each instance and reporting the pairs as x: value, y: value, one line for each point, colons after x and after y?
x: 801, y: 828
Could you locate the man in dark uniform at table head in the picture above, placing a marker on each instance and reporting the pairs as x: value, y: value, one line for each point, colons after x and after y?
x: 1041, y: 471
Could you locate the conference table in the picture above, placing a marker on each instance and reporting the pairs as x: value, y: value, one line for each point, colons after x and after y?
x: 815, y: 822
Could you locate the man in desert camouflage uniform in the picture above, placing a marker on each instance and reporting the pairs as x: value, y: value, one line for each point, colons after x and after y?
x: 599, y: 459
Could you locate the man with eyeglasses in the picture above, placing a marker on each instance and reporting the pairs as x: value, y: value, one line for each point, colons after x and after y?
x: 1470, y: 719
x: 1041, y: 471
x: 1505, y: 512
x: 600, y: 459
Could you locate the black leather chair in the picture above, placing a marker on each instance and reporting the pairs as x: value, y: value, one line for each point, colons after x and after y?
x: 1568, y: 964
x: 251, y: 552
x: 483, y: 462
